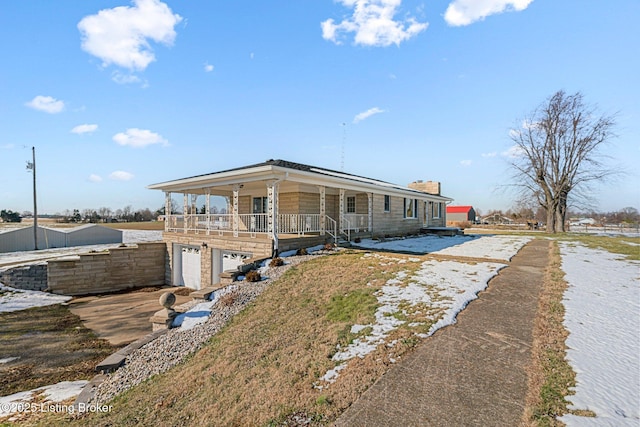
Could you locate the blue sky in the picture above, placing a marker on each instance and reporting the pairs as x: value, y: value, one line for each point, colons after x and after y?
x: 116, y: 95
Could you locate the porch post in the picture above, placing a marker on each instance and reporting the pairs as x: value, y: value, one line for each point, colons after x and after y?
x: 207, y: 207
x: 323, y: 209
x: 167, y: 209
x: 185, y: 211
x: 370, y: 210
x: 272, y: 210
x: 236, y: 217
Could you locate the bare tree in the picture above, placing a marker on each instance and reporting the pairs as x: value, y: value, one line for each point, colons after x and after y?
x: 558, y: 153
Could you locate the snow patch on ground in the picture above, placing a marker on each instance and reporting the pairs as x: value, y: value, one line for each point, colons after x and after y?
x: 200, y: 312
x: 309, y: 251
x: 52, y: 393
x: 420, y: 245
x: 490, y: 247
x: 446, y: 287
x: 436, y: 293
x: 602, y: 316
x: 18, y: 299
x: 129, y: 237
x: 139, y: 236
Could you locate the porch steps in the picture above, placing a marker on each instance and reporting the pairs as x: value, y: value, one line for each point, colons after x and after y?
x: 205, y: 293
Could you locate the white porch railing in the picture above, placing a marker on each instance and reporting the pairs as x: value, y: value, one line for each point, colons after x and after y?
x: 356, y: 222
x: 299, y: 224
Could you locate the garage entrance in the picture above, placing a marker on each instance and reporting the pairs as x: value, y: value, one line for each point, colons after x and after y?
x: 187, y: 266
x: 222, y: 260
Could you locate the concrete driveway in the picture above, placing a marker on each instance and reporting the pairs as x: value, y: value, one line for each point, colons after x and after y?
x: 120, y: 318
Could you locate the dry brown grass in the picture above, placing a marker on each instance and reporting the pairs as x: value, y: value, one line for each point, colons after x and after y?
x: 147, y: 225
x: 261, y: 369
x: 52, y: 346
x: 550, y: 375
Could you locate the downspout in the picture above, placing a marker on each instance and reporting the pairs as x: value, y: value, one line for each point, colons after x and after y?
x: 275, y: 214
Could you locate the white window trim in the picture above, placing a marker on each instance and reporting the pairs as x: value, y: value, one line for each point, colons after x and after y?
x: 347, y: 204
x: 415, y: 208
x: 438, y: 213
x: 386, y: 209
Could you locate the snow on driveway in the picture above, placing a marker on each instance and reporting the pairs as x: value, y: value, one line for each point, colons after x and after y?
x: 602, y: 315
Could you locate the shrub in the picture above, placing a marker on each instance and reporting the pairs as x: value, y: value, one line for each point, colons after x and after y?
x: 252, y: 276
x: 228, y: 299
x: 276, y: 262
x: 302, y: 251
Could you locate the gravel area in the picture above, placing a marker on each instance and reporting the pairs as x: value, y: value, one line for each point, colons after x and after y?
x: 170, y: 349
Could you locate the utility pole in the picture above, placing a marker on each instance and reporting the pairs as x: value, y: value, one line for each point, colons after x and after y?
x: 32, y: 166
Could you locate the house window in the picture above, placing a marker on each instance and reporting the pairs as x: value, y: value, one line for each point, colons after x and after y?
x: 410, y: 208
x: 436, y: 210
x: 387, y: 203
x: 351, y: 204
x: 260, y: 205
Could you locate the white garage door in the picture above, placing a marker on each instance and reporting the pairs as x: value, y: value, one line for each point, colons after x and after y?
x: 232, y: 260
x: 190, y: 264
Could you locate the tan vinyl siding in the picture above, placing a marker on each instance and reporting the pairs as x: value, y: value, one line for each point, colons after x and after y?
x: 394, y: 223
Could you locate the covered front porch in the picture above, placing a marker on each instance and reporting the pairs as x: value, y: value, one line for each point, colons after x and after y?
x: 275, y: 211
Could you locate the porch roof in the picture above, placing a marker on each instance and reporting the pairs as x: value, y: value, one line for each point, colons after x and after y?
x: 289, y: 172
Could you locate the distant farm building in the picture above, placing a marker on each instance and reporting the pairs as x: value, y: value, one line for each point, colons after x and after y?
x: 497, y: 219
x: 458, y: 214
x: 21, y: 239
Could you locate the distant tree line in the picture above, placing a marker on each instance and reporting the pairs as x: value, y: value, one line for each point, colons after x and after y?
x: 524, y: 214
x: 104, y: 214
x: 10, y: 216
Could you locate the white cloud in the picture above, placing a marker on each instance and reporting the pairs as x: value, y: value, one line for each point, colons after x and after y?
x: 465, y: 12
x: 138, y: 138
x: 80, y: 129
x: 121, y: 35
x: 465, y: 163
x: 121, y: 176
x: 208, y: 67
x: 124, y: 79
x: 513, y: 152
x: 47, y: 104
x: 373, y: 24
x: 489, y: 155
x: 366, y: 114
x: 95, y: 178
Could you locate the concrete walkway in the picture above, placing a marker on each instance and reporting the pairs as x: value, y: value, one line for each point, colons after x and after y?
x: 471, y: 373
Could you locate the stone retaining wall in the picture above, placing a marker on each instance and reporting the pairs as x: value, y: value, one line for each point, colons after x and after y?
x: 29, y: 277
x: 116, y: 270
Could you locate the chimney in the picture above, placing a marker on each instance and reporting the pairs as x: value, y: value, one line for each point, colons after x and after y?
x: 431, y: 187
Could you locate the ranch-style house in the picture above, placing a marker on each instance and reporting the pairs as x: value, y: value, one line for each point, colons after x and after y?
x: 279, y: 205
